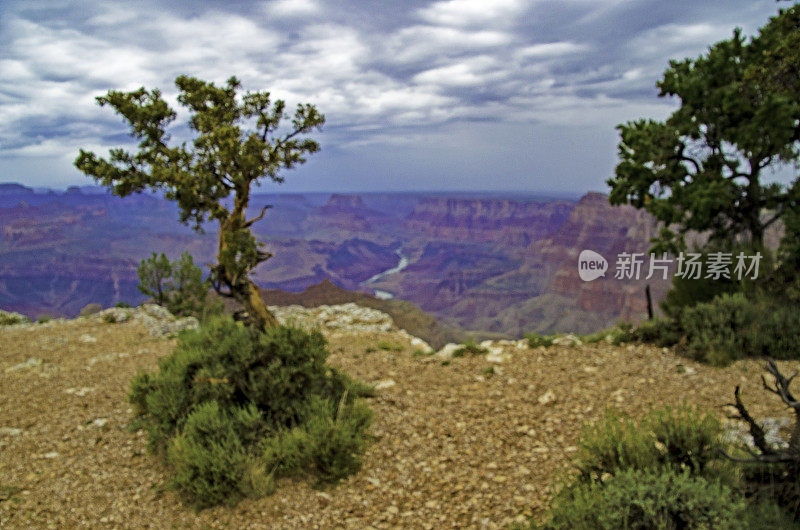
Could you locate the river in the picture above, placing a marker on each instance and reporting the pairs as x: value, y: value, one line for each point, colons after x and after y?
x: 401, y: 264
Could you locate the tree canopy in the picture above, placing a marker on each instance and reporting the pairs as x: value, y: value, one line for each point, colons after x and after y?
x: 704, y: 168
x: 238, y: 142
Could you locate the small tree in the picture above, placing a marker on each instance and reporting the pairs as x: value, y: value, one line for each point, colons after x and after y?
x: 153, y: 274
x: 703, y: 168
x: 236, y: 145
x: 179, y: 286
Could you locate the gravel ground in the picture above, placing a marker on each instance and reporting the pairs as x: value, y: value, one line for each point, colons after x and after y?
x: 455, y: 445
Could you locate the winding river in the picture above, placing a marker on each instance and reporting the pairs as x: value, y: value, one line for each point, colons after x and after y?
x: 402, y: 264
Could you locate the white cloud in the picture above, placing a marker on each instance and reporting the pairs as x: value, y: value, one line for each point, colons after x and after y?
x: 293, y: 8
x: 474, y: 12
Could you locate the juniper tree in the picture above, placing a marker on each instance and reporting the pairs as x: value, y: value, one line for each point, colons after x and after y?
x: 703, y: 168
x: 237, y: 141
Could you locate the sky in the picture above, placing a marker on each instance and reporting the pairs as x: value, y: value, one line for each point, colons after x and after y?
x: 500, y: 95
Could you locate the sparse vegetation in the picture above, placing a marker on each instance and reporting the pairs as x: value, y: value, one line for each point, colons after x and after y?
x: 535, y: 340
x: 646, y: 498
x: 8, y: 319
x: 469, y: 348
x: 122, y: 304
x: 389, y: 346
x: 233, y: 406
x: 177, y: 285
x: 660, y: 472
x: 44, y: 319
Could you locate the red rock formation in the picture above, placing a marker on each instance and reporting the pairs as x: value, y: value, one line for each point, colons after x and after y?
x: 504, y: 221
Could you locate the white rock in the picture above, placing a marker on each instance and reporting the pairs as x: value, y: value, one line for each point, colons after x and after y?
x: 547, y: 398
x: 386, y: 383
x: 420, y: 344
x: 486, y: 344
x: 10, y: 431
x: 80, y: 392
x: 497, y: 355
x: 87, y: 339
x: 50, y: 455
x: 30, y: 363
x: 99, y: 422
x: 567, y: 340
x: 157, y: 311
x: 447, y: 351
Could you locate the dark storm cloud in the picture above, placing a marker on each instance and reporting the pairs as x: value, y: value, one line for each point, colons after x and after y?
x: 508, y: 94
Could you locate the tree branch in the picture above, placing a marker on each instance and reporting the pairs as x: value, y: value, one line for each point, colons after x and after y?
x: 251, y: 222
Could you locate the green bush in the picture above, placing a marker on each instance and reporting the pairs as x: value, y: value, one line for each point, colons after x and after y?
x: 676, y: 438
x: 228, y: 393
x: 469, y: 348
x: 663, y: 471
x: 122, y: 304
x: 9, y: 319
x: 177, y: 285
x: 647, y: 499
x: 661, y: 332
x: 389, y: 346
x: 535, y: 340
x: 329, y: 446
x: 733, y: 326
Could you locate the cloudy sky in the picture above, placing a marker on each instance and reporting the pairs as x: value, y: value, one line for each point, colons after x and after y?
x: 497, y: 95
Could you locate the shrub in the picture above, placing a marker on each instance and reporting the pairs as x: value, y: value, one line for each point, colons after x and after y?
x: 122, y: 304
x: 177, y: 285
x: 732, y: 327
x: 677, y: 438
x: 647, y: 498
x: 44, y: 318
x: 389, y: 346
x: 535, y: 340
x: 8, y: 318
x: 469, y: 348
x: 90, y: 309
x: 228, y: 394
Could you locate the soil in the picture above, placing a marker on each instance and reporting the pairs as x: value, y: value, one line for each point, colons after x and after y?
x: 455, y: 446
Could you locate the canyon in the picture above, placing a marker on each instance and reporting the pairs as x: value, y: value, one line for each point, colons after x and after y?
x: 490, y: 263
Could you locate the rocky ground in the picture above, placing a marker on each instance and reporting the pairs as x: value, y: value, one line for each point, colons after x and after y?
x: 469, y: 442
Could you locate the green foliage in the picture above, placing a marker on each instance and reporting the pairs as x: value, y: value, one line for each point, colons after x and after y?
x: 702, y: 168
x: 660, y: 472
x: 109, y: 318
x: 179, y: 286
x: 661, y: 332
x: 389, y: 346
x: 329, y: 446
x: 535, y: 340
x: 230, y: 404
x: 43, y: 318
x: 675, y: 438
x: 732, y: 327
x: 122, y: 304
x: 649, y: 498
x: 236, y: 144
x: 686, y: 292
x: 8, y: 319
x: 469, y: 348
